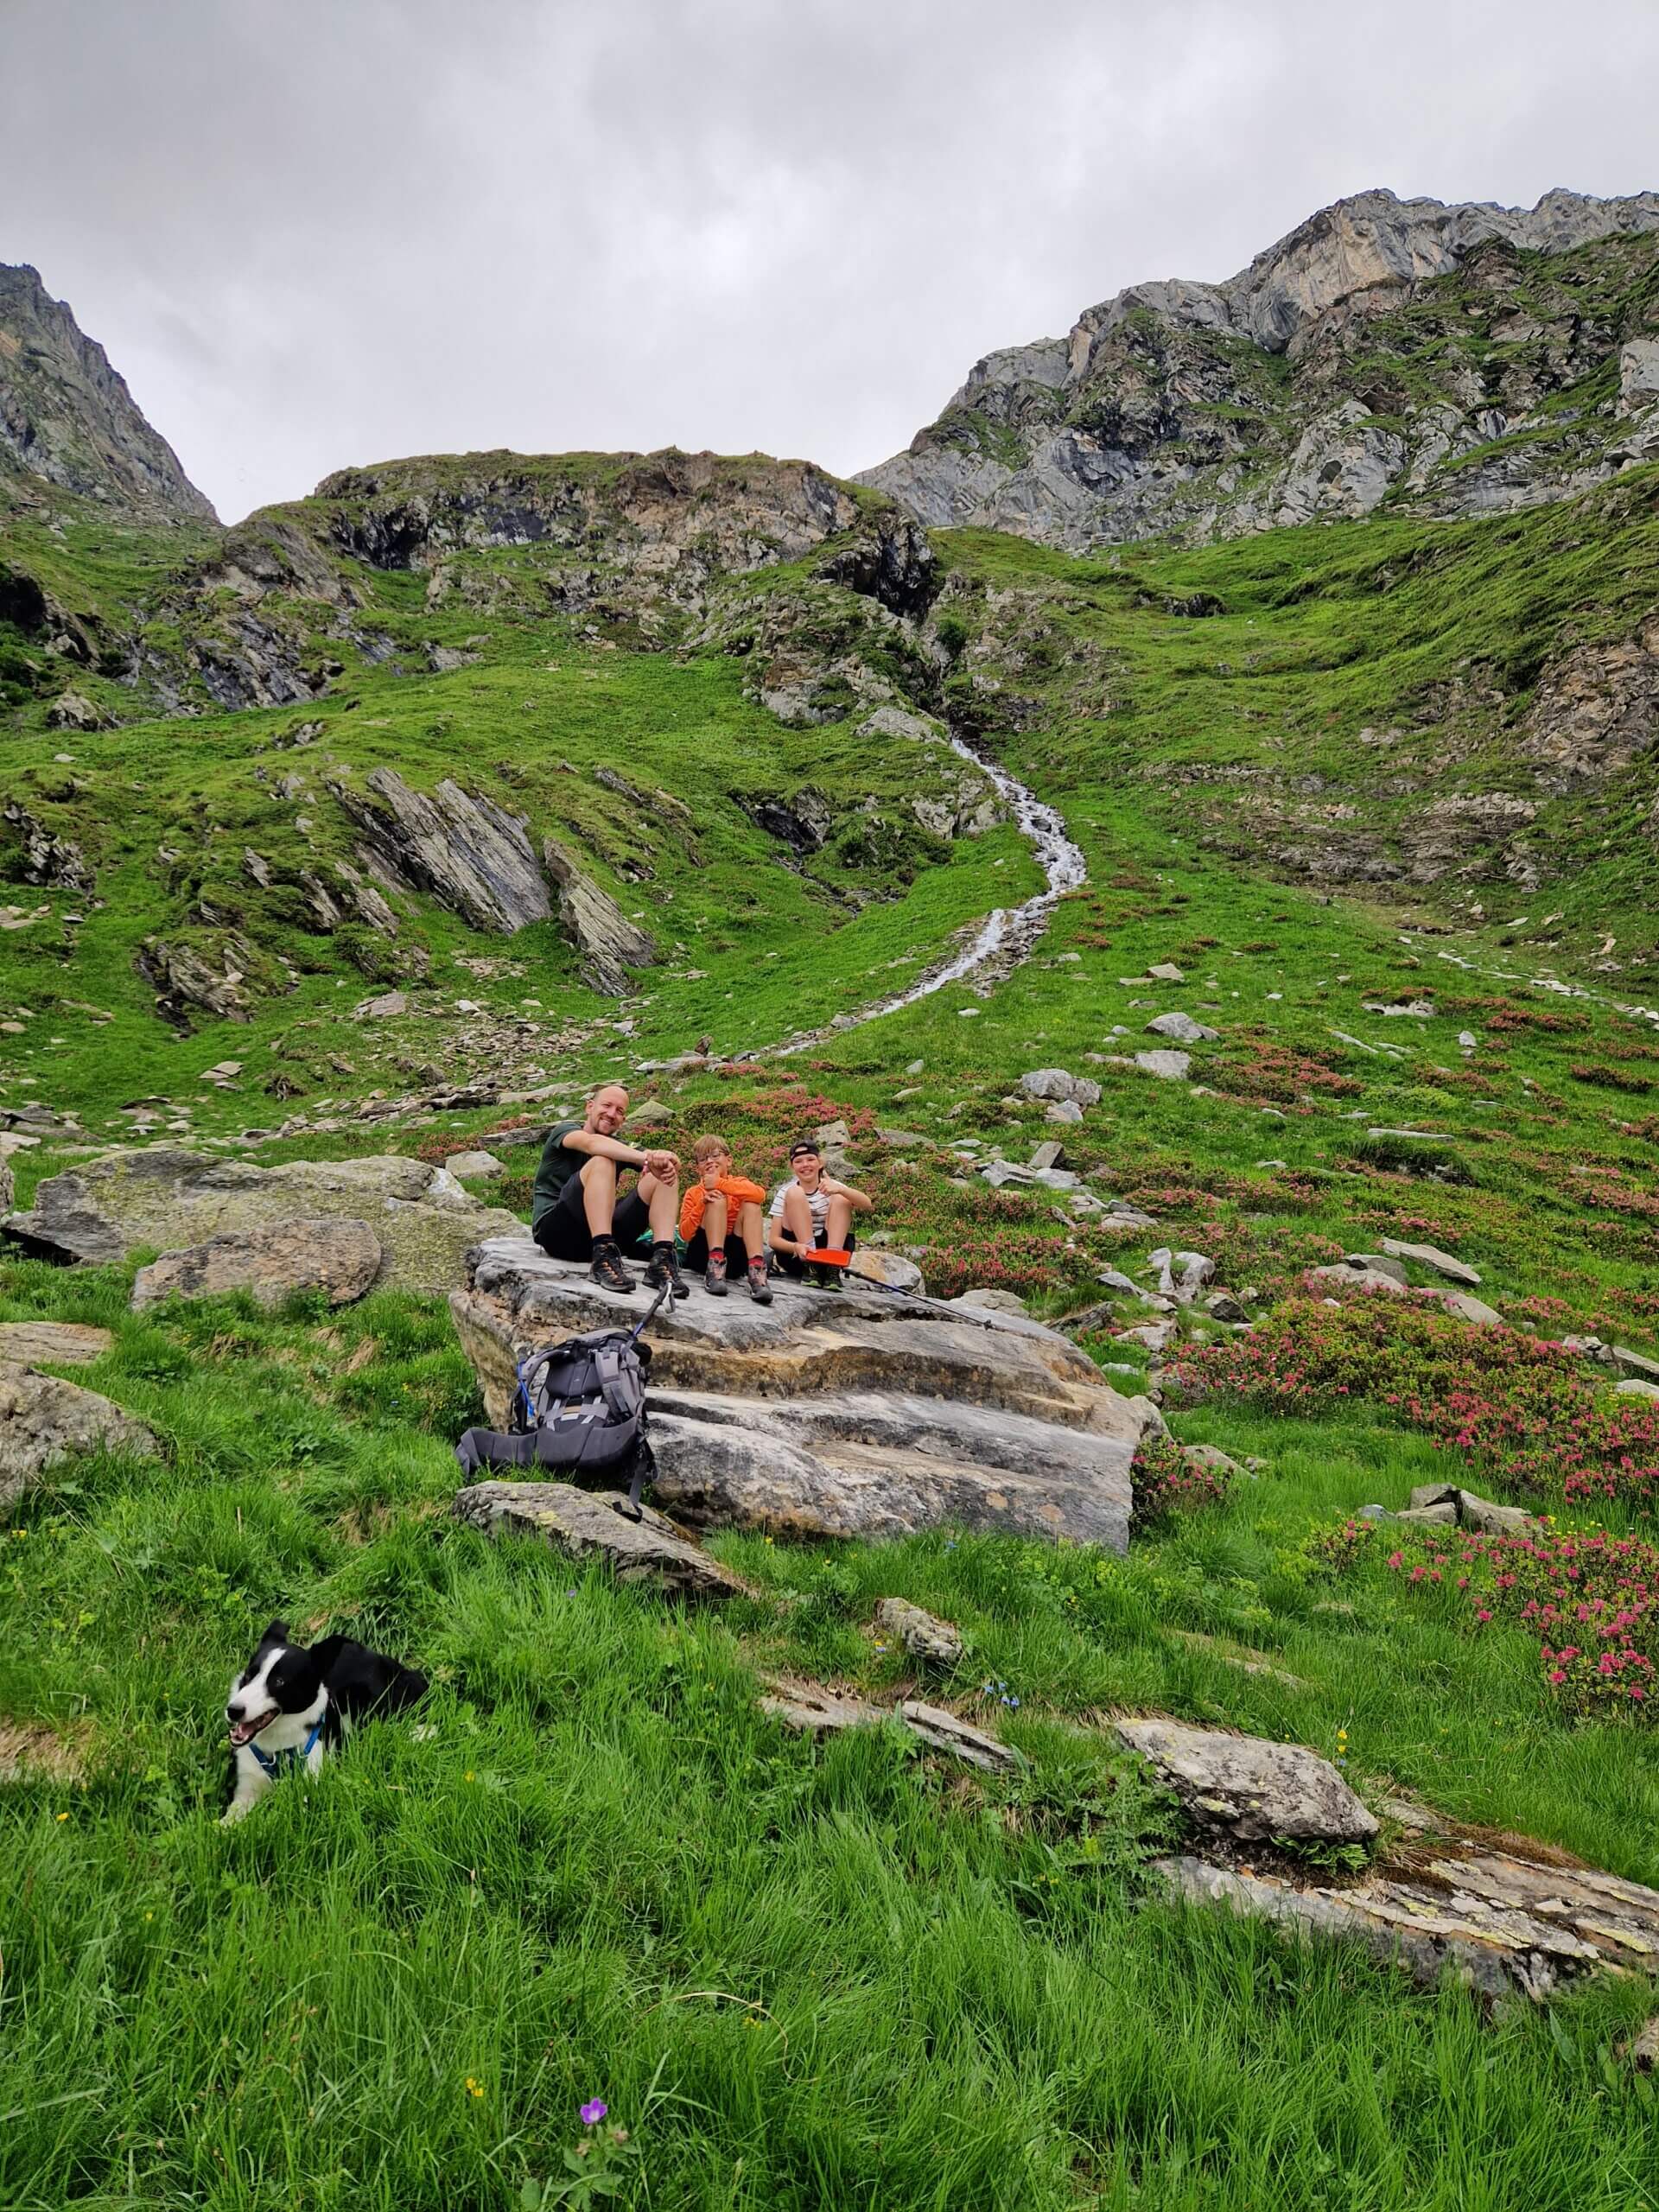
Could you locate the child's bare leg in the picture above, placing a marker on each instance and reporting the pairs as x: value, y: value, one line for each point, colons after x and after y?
x: 798, y: 1221
x: 838, y: 1222
x: 750, y: 1229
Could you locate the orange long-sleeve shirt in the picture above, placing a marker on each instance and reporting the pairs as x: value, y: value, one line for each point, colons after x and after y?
x: 737, y: 1190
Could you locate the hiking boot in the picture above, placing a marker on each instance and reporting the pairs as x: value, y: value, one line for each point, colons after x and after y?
x: 759, y: 1288
x: 713, y: 1281
x: 828, y: 1278
x: 664, y: 1267
x: 607, y: 1269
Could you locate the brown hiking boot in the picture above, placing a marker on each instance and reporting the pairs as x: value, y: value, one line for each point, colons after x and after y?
x: 607, y: 1269
x: 759, y: 1287
x: 714, y: 1279
x: 664, y: 1267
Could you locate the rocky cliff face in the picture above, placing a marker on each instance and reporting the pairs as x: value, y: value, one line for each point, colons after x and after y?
x: 1455, y: 360
x: 66, y: 415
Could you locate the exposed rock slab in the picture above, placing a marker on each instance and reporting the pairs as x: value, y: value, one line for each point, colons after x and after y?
x: 1249, y: 1788
x: 108, y: 1206
x: 44, y: 1420
x: 55, y: 1344
x: 340, y: 1257
x: 588, y: 1524
x: 1430, y: 1256
x: 459, y: 847
x: 809, y: 1708
x: 1495, y: 1920
x: 610, y: 944
x: 866, y: 1414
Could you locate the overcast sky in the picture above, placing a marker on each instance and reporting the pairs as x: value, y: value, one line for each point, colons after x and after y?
x: 328, y: 231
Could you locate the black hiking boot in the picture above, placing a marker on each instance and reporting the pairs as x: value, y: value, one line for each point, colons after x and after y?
x: 664, y: 1267
x: 607, y: 1269
x: 759, y: 1288
x: 827, y: 1278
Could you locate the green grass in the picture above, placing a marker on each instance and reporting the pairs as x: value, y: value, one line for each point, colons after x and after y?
x: 851, y: 1978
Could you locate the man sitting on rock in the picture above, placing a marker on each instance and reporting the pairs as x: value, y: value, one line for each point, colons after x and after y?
x: 812, y: 1211
x: 576, y: 1213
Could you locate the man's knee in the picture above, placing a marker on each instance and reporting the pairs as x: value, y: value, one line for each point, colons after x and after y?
x: 600, y: 1172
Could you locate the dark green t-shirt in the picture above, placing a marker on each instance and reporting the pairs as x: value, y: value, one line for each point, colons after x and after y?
x: 558, y: 1165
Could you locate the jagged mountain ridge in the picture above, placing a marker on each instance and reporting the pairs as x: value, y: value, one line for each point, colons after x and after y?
x: 68, y: 418
x: 1457, y: 359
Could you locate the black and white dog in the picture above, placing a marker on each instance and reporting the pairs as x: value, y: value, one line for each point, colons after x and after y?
x: 293, y: 1702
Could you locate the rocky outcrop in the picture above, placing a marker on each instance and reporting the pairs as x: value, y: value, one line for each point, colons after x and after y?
x: 1249, y: 1789
x: 44, y: 857
x: 183, y: 979
x: 53, y: 1343
x: 864, y: 1414
x: 458, y: 846
x: 1595, y: 711
x: 105, y: 1208
x: 43, y: 1420
x: 937, y: 1643
x: 610, y: 944
x: 810, y: 1709
x: 68, y: 417
x: 1495, y: 1919
x: 1213, y: 409
x: 340, y: 1258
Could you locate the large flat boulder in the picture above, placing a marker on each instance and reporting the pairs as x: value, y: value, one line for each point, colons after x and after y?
x: 340, y: 1258
x: 865, y: 1413
x: 110, y: 1206
x: 44, y: 1420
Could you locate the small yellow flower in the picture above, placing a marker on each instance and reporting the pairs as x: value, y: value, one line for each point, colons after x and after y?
x: 63, y: 1816
x: 467, y: 1776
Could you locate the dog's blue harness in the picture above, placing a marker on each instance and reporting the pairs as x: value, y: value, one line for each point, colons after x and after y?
x: 274, y: 1763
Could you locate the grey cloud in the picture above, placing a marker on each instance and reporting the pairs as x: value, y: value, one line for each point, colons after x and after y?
x: 317, y: 235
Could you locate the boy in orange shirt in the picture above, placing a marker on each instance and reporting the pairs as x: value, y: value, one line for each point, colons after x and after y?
x: 721, y: 1223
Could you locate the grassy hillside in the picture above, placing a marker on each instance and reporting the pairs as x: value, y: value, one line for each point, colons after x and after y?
x: 848, y: 1975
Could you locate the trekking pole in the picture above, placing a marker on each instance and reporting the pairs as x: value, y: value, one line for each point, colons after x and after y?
x: 819, y: 1258
x: 649, y: 1316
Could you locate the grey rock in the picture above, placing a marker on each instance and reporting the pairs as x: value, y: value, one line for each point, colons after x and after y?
x: 1249, y: 1788
x: 44, y: 1420
x: 1378, y: 1263
x: 386, y: 1008
x: 1435, y: 1516
x: 1210, y: 1456
x: 1113, y: 1279
x: 52, y: 1343
x: 182, y: 979
x: 74, y: 710
x: 611, y: 946
x: 1221, y: 1306
x: 924, y: 1635
x: 1430, y: 1256
x: 870, y: 1263
x: 1062, y: 1110
x: 900, y: 1140
x: 457, y: 846
x: 649, y: 1113
x: 594, y: 1524
x: 810, y: 1709
x: 1361, y: 1278
x: 865, y: 1414
x: 1466, y: 1308
x: 474, y: 1164
x: 990, y: 1301
x: 1166, y: 972
x: 1048, y: 1155
x: 1181, y: 1029
x: 109, y: 1206
x: 1634, y: 1386
x: 1636, y: 1365
x: 1172, y: 1067
x: 1495, y: 1921
x: 337, y: 1256
x: 1057, y: 1083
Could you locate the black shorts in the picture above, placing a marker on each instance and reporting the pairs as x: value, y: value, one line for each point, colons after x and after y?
x: 787, y: 1262
x: 696, y: 1252
x: 562, y: 1231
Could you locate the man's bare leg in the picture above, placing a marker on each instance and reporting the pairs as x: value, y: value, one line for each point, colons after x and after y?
x: 599, y: 1194
x: 662, y: 1202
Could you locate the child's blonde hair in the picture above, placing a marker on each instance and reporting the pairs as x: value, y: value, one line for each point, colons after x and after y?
x: 711, y: 1148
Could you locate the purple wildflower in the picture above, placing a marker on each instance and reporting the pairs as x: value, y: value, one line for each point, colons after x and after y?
x: 593, y: 2111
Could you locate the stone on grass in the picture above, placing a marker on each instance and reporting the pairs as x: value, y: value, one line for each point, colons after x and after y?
x: 1360, y: 1277
x: 1466, y: 1306
x: 924, y: 1635
x: 809, y: 1708
x: 339, y: 1257
x: 1166, y: 972
x: 474, y: 1163
x: 1445, y: 1502
x: 591, y: 1525
x: 871, y: 1264
x: 1170, y: 1067
x: 52, y: 1343
x: 1378, y: 1263
x: 1181, y: 1029
x: 990, y: 1301
x: 1062, y: 1110
x: 1048, y: 1155
x: 1247, y: 1788
x: 649, y: 1113
x: 106, y: 1207
x: 1221, y: 1306
x: 1055, y: 1083
x: 1430, y: 1256
x: 1633, y: 1387
x: 386, y: 1008
x: 1456, y: 1908
x: 1636, y: 1366
x: 44, y: 1420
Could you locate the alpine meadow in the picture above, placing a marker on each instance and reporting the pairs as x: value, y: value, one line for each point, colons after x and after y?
x: 1137, y: 1691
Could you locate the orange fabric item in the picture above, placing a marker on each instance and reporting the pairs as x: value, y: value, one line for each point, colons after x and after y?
x: 737, y: 1190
